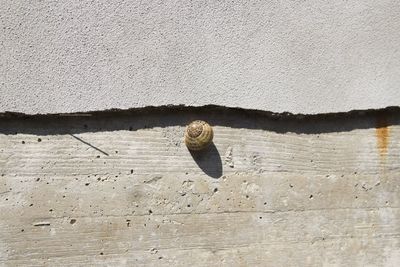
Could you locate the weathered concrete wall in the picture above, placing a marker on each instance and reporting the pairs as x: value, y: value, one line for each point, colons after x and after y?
x: 121, y: 189
x: 297, y: 56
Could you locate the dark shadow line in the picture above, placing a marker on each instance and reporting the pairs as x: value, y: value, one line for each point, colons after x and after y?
x: 162, y: 117
x: 92, y: 146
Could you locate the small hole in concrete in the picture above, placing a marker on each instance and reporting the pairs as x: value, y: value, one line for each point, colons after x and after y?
x: 215, y: 190
x: 39, y: 140
x: 23, y: 142
x: 72, y: 221
x: 311, y: 197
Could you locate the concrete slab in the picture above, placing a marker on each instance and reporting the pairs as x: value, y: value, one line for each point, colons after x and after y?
x: 123, y: 190
x: 282, y: 56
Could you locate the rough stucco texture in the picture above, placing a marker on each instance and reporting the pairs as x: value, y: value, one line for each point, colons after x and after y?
x: 296, y: 56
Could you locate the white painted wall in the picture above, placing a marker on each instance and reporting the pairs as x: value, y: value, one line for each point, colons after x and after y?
x: 296, y: 56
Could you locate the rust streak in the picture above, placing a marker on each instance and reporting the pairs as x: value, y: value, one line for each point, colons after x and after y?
x: 382, y: 134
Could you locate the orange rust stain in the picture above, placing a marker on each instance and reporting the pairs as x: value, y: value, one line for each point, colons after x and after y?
x: 382, y: 135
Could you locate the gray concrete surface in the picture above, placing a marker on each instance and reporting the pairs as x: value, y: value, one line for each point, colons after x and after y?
x: 121, y: 189
x: 296, y: 56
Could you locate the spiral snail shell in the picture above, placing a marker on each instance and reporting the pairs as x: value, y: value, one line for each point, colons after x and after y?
x: 198, y: 135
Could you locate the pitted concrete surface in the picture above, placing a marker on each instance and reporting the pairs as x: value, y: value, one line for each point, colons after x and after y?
x: 122, y: 189
x: 281, y: 56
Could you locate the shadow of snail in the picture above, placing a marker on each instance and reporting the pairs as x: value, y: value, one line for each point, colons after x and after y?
x: 198, y: 139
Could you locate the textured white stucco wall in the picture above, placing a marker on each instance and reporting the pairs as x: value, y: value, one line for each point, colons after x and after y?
x: 296, y: 56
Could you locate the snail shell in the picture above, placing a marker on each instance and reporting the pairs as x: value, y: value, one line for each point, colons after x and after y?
x: 198, y: 135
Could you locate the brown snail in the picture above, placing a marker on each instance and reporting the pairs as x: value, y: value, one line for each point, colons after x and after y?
x: 198, y: 135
